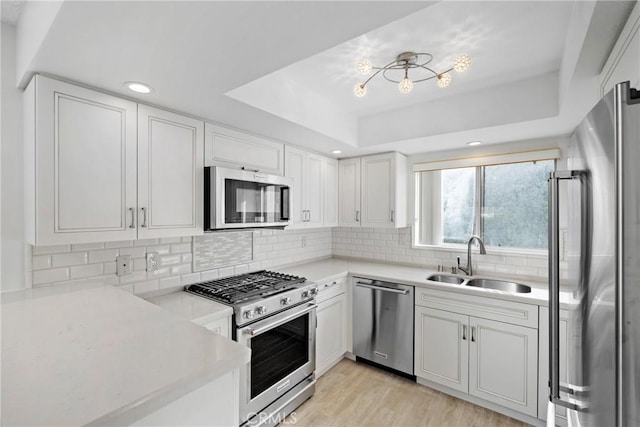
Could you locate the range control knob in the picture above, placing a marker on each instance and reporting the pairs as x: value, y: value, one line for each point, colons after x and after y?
x: 285, y: 301
x: 305, y: 294
x: 261, y: 310
x: 248, y: 314
x: 314, y: 291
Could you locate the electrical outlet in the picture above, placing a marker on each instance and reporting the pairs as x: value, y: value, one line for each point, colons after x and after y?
x: 124, y: 265
x: 153, y: 261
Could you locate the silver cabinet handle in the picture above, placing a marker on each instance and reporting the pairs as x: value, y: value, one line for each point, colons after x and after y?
x: 464, y: 332
x: 473, y: 334
x: 144, y: 217
x: 328, y: 285
x: 392, y: 215
x: 554, y: 282
x: 308, y: 216
x: 382, y: 288
x: 133, y: 218
x: 357, y: 216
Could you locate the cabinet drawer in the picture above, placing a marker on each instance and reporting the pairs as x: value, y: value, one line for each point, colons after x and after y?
x: 488, y: 308
x: 221, y: 327
x: 331, y: 288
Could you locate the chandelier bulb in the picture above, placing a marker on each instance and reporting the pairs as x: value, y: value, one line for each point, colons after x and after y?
x: 405, y: 85
x: 360, y: 90
x: 444, y: 80
x: 365, y: 67
x: 461, y: 63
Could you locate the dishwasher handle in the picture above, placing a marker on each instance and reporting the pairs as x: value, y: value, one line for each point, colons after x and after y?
x: 382, y: 288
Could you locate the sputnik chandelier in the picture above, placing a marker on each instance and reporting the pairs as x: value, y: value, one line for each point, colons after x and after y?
x: 397, y: 71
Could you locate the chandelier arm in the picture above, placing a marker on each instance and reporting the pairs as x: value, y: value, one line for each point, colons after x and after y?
x: 372, y: 76
x: 386, y: 67
x: 435, y: 74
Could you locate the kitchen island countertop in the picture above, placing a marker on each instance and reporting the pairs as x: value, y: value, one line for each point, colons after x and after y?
x: 94, y: 354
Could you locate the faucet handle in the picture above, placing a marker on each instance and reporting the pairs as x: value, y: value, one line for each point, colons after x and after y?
x: 454, y: 270
x: 458, y: 259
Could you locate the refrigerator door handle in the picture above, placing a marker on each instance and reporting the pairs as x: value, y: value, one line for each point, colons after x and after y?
x: 554, y: 297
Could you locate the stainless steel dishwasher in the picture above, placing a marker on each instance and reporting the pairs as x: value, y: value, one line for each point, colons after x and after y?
x: 383, y: 323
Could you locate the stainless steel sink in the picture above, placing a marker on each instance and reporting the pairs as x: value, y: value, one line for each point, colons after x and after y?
x: 444, y: 278
x: 501, y: 285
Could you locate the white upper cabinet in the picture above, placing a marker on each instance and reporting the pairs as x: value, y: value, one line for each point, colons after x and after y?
x: 349, y: 193
x: 80, y: 162
x: 170, y: 174
x: 307, y: 170
x: 624, y: 60
x: 331, y: 191
x: 373, y: 191
x: 96, y: 171
x: 234, y: 149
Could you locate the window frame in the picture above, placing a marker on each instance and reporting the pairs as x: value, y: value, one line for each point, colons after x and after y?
x: 419, y: 234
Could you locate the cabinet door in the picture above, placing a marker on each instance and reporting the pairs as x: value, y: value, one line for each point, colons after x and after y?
x: 349, y: 181
x: 294, y: 168
x: 84, y: 143
x: 378, y: 191
x: 442, y: 347
x: 170, y: 174
x: 234, y: 149
x: 331, y: 341
x: 314, y: 189
x: 221, y: 327
x: 503, y: 364
x: 331, y: 193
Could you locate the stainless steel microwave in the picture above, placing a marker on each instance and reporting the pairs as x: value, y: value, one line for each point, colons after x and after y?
x: 236, y: 198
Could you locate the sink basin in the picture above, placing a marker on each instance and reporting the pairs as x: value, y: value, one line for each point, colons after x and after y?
x: 501, y: 285
x: 444, y: 278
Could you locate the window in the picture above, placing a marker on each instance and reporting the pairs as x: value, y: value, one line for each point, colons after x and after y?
x: 506, y: 204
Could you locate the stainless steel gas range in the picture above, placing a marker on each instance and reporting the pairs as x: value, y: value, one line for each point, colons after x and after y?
x: 275, y: 316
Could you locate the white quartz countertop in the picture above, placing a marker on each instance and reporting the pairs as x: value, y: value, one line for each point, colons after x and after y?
x: 192, y: 307
x: 97, y: 355
x: 330, y: 268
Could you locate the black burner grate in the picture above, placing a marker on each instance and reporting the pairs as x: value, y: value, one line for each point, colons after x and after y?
x: 237, y: 289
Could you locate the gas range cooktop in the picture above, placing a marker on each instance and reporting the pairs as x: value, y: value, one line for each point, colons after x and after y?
x: 257, y: 295
x: 236, y: 290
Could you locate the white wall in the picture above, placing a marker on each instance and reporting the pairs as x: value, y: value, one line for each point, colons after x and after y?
x: 14, y: 250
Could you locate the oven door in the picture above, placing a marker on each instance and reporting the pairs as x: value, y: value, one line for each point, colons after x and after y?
x: 283, y: 349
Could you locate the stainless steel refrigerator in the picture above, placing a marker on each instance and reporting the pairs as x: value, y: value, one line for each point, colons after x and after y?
x: 601, y: 195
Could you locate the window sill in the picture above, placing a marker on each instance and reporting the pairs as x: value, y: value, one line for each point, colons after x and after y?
x: 494, y: 250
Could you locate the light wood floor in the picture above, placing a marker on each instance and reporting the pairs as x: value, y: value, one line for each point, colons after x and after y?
x: 356, y: 394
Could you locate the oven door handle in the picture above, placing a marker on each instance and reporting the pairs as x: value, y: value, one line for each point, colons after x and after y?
x: 257, y: 331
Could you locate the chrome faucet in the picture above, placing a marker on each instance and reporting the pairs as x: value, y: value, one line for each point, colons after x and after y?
x: 469, y: 268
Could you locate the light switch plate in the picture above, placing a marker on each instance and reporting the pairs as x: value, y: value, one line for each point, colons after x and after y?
x: 153, y: 261
x: 124, y: 265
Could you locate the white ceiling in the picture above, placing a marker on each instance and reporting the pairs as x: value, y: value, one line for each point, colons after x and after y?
x: 286, y: 69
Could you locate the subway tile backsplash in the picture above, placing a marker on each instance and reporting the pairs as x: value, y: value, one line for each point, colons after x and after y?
x: 394, y: 245
x: 188, y: 260
x: 237, y: 252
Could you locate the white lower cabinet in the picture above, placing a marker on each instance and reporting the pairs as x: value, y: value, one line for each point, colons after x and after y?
x: 331, y: 331
x: 220, y: 326
x: 492, y: 360
x: 441, y: 348
x: 503, y: 364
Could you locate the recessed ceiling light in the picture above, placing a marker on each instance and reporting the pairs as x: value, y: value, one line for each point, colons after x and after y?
x: 474, y: 143
x: 138, y: 87
x: 336, y: 152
